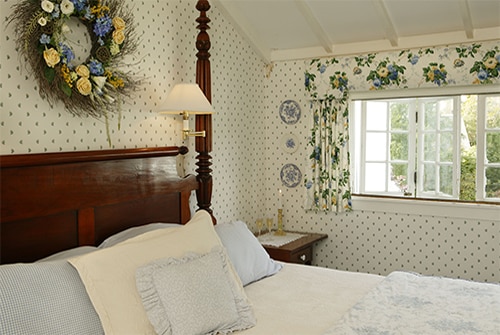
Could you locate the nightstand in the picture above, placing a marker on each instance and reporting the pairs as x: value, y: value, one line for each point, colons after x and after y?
x: 299, y: 251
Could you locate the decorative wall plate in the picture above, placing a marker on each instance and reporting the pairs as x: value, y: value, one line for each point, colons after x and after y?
x: 290, y: 112
x: 290, y: 175
x: 289, y: 143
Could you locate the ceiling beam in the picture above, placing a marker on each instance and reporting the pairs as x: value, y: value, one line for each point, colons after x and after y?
x: 243, y: 27
x: 315, y: 26
x: 466, y: 18
x: 390, y: 31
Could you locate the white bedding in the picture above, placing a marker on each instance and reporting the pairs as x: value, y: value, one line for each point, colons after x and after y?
x: 320, y: 297
x: 406, y: 303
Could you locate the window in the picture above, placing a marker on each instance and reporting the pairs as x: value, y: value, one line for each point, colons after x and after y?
x: 427, y: 147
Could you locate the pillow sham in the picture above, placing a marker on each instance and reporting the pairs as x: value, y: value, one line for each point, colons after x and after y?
x: 45, y: 298
x: 196, y: 294
x: 109, y: 274
x: 65, y: 254
x: 133, y: 232
x: 250, y: 260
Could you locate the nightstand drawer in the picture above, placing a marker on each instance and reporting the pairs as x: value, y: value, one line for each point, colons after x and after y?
x: 302, y: 256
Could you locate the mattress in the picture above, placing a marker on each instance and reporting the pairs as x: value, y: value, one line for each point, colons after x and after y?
x: 304, y: 299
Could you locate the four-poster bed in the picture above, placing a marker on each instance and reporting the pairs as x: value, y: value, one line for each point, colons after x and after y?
x: 115, y: 223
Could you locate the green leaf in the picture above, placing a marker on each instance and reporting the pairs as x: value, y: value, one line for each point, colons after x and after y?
x: 50, y: 74
x: 66, y: 89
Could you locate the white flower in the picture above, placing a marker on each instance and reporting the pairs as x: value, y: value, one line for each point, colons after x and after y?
x: 99, y: 81
x: 47, y: 6
x: 67, y: 7
x: 42, y: 21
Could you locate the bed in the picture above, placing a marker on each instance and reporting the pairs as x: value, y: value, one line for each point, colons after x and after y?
x: 105, y: 242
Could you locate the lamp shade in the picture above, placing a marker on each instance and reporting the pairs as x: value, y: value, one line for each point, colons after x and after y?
x: 186, y: 98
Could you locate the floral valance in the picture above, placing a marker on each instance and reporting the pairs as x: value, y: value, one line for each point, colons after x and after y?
x: 458, y: 65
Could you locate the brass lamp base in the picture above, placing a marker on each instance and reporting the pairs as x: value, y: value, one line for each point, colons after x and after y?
x: 280, y: 231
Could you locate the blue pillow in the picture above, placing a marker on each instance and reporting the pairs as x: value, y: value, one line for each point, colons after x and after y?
x: 249, y: 258
x: 45, y: 298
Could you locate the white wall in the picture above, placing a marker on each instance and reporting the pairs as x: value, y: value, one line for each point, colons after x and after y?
x: 247, y: 155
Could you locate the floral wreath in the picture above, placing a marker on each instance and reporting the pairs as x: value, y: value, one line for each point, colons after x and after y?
x: 95, y: 87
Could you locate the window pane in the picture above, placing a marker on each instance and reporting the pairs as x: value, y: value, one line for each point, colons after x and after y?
x: 399, y: 182
x: 493, y: 147
x: 493, y: 112
x: 375, y: 177
x: 376, y: 116
x: 493, y: 182
x: 376, y: 147
x: 430, y: 147
x: 446, y: 180
x: 399, y: 116
x: 445, y: 114
x: 429, y: 177
x: 399, y: 147
x: 430, y: 115
x: 446, y: 150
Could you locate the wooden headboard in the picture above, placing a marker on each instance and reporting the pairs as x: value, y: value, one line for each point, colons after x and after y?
x: 56, y: 201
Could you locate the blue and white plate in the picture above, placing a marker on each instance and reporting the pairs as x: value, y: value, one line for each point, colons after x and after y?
x: 290, y: 175
x: 289, y: 143
x: 290, y: 112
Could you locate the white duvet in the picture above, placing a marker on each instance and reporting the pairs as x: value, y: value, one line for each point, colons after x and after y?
x: 305, y: 300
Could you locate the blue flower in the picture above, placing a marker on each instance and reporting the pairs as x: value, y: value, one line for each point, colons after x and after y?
x: 393, y: 75
x: 67, y: 53
x: 309, y: 184
x: 96, y: 68
x: 317, y: 153
x: 376, y: 82
x: 88, y: 14
x: 102, y: 26
x: 306, y: 81
x: 482, y: 75
x: 45, y: 39
x: 414, y: 59
x: 79, y: 4
x: 56, y: 12
x: 322, y: 69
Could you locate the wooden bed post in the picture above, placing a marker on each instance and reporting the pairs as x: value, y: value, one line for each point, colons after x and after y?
x: 204, y: 122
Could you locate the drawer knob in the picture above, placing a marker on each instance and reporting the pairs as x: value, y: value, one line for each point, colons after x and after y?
x: 303, y: 258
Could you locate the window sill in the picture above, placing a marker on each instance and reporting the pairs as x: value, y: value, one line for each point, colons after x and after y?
x: 477, y: 211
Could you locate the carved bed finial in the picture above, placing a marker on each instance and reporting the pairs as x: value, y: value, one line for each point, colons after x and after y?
x: 204, y: 122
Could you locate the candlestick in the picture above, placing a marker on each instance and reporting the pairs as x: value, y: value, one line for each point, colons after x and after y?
x: 280, y: 231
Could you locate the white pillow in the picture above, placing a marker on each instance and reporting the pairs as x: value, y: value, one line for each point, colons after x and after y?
x: 249, y: 258
x: 196, y: 294
x: 65, y: 254
x: 109, y: 274
x: 133, y: 232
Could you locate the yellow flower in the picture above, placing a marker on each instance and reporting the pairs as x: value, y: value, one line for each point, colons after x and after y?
x: 118, y: 36
x: 118, y: 23
x: 82, y: 71
x: 383, y: 72
x: 430, y: 75
x: 490, y: 63
x: 66, y: 75
x: 51, y: 57
x: 84, y: 86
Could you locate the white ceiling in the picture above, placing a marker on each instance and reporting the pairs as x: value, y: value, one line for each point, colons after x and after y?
x: 295, y: 29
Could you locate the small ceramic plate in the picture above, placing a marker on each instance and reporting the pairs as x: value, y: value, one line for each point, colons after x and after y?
x: 290, y: 143
x: 290, y: 112
x: 290, y: 175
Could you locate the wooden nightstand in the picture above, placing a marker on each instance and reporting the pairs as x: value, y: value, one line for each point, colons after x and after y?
x: 299, y: 251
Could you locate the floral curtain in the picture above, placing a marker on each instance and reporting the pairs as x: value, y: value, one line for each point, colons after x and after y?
x: 328, y: 184
x: 329, y: 82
